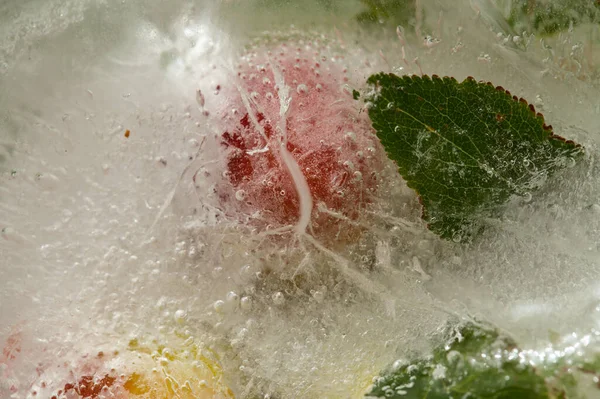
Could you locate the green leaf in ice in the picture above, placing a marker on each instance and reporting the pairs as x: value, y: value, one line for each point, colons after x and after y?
x: 396, y: 12
x: 476, y: 363
x: 465, y: 148
x: 547, y: 17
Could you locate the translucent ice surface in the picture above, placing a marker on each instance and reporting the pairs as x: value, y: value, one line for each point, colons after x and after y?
x: 145, y: 253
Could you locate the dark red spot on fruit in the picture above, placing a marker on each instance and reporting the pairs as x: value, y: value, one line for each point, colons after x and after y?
x: 89, y: 387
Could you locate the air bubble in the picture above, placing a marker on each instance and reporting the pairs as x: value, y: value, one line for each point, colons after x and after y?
x: 246, y: 303
x: 319, y: 296
x: 398, y: 364
x: 180, y: 316
x: 302, y: 89
x: 245, y: 272
x: 278, y: 298
x: 232, y: 297
x: 200, y: 98
x: 219, y: 306
x: 240, y: 195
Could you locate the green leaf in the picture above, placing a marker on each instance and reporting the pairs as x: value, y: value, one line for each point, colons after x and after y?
x: 476, y: 363
x: 545, y: 17
x: 387, y: 11
x: 465, y: 148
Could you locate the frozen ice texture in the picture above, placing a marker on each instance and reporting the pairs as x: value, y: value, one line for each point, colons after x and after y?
x: 107, y: 239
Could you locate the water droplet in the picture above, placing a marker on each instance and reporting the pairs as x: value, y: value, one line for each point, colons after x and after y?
x: 360, y: 154
x: 527, y: 197
x: 278, y: 298
x: 302, y: 89
x: 266, y: 81
x: 282, y: 193
x: 240, y: 195
x: 397, y: 129
x: 350, y: 136
x: 358, y: 175
x: 254, y: 95
x: 348, y: 165
x: 390, y: 105
x: 319, y: 87
x: 269, y: 95
x: 571, y: 162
